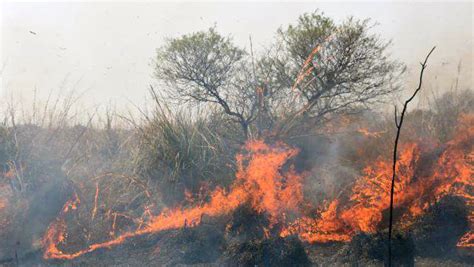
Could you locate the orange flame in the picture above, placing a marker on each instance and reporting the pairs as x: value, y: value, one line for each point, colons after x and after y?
x: 267, y: 182
x: 3, y: 203
x: 260, y: 181
x: 451, y: 174
x: 96, y: 197
x: 367, y: 133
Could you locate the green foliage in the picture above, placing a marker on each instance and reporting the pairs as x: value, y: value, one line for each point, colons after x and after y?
x: 311, y: 29
x: 202, y: 59
x: 207, y: 67
x: 179, y: 151
x: 350, y: 72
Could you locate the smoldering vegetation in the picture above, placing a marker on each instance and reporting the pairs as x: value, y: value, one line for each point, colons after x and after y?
x: 280, y: 159
x: 170, y: 159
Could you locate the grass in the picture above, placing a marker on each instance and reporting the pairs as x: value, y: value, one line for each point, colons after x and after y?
x: 180, y: 150
x: 150, y: 162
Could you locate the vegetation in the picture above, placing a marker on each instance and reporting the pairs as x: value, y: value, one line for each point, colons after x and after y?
x: 314, y: 88
x: 181, y: 151
x: 332, y: 68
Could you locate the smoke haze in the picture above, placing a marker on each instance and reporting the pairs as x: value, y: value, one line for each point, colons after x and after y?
x: 106, y: 49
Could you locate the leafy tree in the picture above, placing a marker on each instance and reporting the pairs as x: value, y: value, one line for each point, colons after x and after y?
x: 315, y: 68
x: 206, y: 67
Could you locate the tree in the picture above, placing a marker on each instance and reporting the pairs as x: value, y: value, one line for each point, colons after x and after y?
x: 206, y: 67
x: 333, y: 68
x: 315, y: 68
x: 399, y: 124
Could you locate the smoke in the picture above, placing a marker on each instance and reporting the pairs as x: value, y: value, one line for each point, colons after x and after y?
x: 57, y: 158
x: 83, y: 42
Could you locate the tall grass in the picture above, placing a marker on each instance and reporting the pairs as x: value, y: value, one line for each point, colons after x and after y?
x: 182, y: 149
x: 154, y: 159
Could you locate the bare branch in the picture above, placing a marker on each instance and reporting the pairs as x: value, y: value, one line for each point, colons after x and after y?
x: 399, y: 128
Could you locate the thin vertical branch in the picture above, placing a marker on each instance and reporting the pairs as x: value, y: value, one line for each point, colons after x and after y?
x: 258, y: 92
x: 253, y: 61
x: 398, y: 124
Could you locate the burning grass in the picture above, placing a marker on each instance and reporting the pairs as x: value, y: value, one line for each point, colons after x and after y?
x: 271, y: 186
x: 425, y: 175
x: 266, y: 213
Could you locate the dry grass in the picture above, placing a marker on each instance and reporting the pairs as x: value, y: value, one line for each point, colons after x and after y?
x: 149, y: 162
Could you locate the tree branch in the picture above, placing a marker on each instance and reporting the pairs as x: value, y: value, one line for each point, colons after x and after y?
x: 398, y: 124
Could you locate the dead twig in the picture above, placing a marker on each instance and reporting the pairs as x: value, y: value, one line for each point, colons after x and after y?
x: 398, y: 124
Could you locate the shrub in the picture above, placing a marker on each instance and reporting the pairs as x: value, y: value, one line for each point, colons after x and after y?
x: 180, y: 151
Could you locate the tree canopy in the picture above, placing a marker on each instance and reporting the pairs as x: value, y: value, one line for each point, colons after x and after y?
x: 315, y: 68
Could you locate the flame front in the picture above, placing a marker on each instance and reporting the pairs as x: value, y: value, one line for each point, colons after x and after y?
x: 260, y: 181
x: 269, y: 183
x: 416, y: 188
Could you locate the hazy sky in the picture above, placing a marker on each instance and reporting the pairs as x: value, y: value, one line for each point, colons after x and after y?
x: 106, y: 49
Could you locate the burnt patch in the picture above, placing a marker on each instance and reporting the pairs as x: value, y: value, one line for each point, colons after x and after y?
x: 437, y: 232
x: 275, y: 251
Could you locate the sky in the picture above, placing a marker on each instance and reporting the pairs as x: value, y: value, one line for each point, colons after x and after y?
x: 105, y: 50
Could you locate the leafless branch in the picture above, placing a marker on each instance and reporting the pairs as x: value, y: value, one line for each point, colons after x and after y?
x: 398, y: 124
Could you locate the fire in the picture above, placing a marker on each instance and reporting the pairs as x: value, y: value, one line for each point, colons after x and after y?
x: 467, y: 240
x: 260, y: 180
x: 57, y: 231
x: 363, y: 210
x: 367, y: 133
x: 3, y: 203
x: 96, y: 197
x: 452, y: 173
x: 267, y: 181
